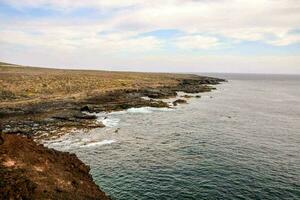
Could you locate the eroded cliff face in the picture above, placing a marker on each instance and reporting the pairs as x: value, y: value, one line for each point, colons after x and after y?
x: 32, y: 171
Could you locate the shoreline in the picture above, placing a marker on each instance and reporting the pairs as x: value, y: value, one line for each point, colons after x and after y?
x: 58, y: 116
x: 55, y: 117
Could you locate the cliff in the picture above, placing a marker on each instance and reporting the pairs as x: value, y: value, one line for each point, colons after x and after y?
x: 32, y: 171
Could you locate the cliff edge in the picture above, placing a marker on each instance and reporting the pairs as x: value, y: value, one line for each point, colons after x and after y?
x: 32, y: 171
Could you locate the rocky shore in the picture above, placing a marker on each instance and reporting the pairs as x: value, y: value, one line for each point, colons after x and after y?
x: 55, y: 117
x: 31, y: 171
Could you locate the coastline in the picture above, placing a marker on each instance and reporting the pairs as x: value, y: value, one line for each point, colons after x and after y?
x: 51, y: 116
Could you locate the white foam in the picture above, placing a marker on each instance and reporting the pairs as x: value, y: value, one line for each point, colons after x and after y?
x: 110, y: 122
x: 146, y: 98
x: 147, y: 110
x: 140, y: 110
x: 61, y: 143
x: 162, y: 109
x: 103, y: 142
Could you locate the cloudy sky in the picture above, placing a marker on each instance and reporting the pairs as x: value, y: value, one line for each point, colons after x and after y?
x: 257, y: 36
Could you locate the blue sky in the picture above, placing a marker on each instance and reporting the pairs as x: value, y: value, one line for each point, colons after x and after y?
x: 259, y: 36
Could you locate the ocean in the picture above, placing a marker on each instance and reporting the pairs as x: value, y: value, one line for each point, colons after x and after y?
x: 241, y: 141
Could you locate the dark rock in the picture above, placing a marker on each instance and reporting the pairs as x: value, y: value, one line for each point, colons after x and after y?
x: 86, y: 109
x: 161, y: 93
x: 159, y: 104
x: 1, y: 139
x: 202, y: 81
x: 84, y: 116
x: 194, y: 88
x: 124, y: 106
x: 187, y: 96
x: 62, y: 117
x: 179, y: 101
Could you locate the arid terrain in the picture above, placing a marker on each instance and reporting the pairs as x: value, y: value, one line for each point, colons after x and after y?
x: 20, y: 84
x: 40, y: 102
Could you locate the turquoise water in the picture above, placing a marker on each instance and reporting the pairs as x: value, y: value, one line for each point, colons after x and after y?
x: 239, y: 142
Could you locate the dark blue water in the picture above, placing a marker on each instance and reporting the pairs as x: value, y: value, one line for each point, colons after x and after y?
x: 239, y: 142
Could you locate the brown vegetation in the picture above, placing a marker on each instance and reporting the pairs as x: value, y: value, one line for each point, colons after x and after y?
x: 27, y: 84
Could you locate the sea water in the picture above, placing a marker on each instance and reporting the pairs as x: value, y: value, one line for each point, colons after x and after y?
x: 241, y: 141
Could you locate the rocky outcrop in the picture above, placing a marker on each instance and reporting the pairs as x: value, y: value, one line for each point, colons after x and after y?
x: 159, y: 93
x: 202, y: 80
x: 32, y: 171
x: 51, y: 123
x: 118, y: 100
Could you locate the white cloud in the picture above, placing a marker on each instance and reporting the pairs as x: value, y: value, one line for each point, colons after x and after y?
x: 197, y: 42
x: 238, y: 19
x: 75, y: 40
x: 285, y: 40
x: 70, y: 4
x: 254, y: 20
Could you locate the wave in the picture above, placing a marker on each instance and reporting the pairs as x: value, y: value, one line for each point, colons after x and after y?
x: 139, y: 110
x: 69, y: 143
x: 110, y: 122
x: 147, y: 110
x: 103, y: 142
x: 60, y: 142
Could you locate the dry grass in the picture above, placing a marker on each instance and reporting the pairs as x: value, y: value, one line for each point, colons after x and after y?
x: 25, y: 84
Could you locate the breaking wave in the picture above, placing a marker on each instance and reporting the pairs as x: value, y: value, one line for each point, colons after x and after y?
x: 103, y: 142
x: 147, y: 110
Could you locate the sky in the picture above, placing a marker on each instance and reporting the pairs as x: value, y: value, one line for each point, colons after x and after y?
x: 239, y: 36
